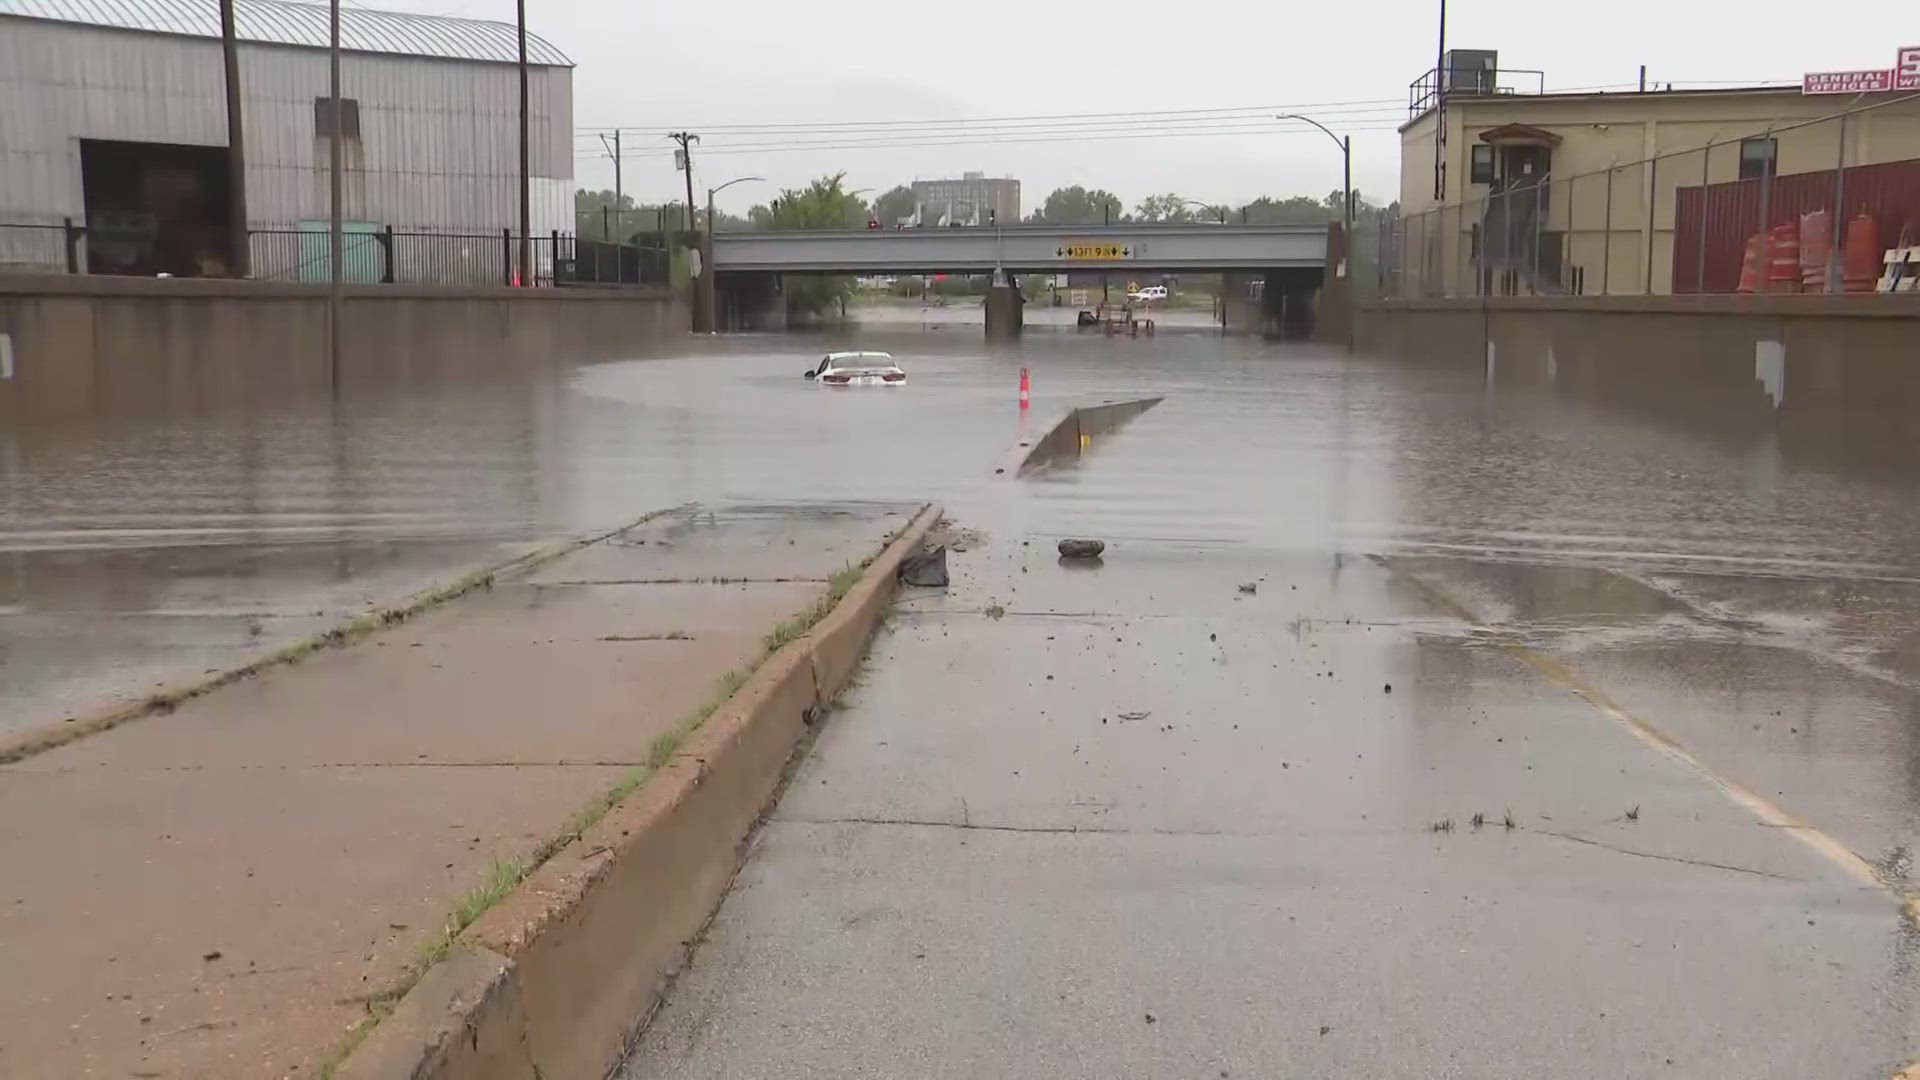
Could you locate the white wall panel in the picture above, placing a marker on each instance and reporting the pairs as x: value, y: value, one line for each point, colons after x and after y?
x: 440, y: 137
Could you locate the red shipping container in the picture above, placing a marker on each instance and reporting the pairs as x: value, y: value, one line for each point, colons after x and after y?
x: 1727, y: 214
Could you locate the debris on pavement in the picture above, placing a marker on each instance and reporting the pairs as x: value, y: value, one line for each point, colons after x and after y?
x: 925, y: 568
x: 1250, y: 587
x: 1082, y: 549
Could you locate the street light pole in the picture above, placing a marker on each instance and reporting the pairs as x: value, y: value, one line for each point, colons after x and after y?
x: 240, y: 256
x: 526, y: 201
x: 1346, y: 171
x: 709, y: 285
x: 335, y: 246
x: 1219, y: 212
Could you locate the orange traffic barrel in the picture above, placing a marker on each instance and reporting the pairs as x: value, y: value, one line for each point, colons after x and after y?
x: 1816, y: 247
x: 1783, y: 267
x: 1861, y: 256
x: 1750, y: 265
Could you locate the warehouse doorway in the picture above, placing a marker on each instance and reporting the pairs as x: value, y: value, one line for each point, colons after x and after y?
x: 156, y: 208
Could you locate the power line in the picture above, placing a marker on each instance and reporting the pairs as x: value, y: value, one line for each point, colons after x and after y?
x: 914, y: 143
x: 801, y: 126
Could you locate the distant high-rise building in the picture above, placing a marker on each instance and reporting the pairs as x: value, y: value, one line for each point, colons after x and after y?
x: 974, y: 199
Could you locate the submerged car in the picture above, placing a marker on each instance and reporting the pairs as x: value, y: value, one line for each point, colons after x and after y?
x: 858, y: 369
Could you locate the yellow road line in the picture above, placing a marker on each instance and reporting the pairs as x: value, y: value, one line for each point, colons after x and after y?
x: 1558, y: 673
x: 1561, y: 675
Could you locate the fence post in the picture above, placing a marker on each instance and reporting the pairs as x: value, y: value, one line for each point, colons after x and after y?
x: 72, y: 236
x: 1835, y: 231
x: 1700, y: 257
x: 1653, y: 201
x: 506, y: 257
x: 1506, y: 252
x: 386, y: 245
x: 1765, y: 269
x: 1606, y: 253
x: 1573, y: 278
x: 553, y: 258
x: 1539, y: 208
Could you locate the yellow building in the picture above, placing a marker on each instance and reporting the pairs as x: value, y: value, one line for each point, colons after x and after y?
x: 1574, y: 193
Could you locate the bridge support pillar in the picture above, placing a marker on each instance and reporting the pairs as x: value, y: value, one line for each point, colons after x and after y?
x: 1005, y: 308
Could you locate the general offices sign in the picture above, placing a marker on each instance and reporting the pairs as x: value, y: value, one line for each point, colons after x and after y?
x: 1903, y: 75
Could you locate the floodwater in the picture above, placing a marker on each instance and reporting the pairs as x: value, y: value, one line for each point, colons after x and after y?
x: 158, y: 540
x: 162, y: 538
x: 1205, y: 823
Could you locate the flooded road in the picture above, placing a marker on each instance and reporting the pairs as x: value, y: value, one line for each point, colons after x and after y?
x: 1655, y: 622
x: 169, y: 534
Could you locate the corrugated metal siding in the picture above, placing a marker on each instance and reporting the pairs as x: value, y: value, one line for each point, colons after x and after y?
x: 281, y: 22
x: 1729, y: 213
x: 439, y: 147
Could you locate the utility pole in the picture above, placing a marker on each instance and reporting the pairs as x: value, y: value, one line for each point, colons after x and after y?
x: 240, y: 254
x: 1440, y: 74
x: 614, y: 150
x: 526, y: 198
x: 336, y: 250
x: 686, y: 139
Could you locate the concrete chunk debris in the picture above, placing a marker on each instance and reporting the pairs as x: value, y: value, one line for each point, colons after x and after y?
x: 926, y: 568
x: 1082, y: 549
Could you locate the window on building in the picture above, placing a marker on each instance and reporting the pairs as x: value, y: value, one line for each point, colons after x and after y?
x: 1482, y: 164
x: 1759, y: 157
x: 323, y: 115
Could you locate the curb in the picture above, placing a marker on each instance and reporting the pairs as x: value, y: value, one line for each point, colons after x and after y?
x: 559, y: 977
x: 47, y: 737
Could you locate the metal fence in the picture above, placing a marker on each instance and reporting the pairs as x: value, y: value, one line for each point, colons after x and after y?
x: 368, y: 256
x: 1807, y: 206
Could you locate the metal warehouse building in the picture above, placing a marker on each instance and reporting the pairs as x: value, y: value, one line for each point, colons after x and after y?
x: 113, y: 119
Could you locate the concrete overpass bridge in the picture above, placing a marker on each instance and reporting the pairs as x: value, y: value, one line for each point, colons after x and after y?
x: 743, y: 289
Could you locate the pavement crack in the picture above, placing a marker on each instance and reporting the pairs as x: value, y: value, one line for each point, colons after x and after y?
x: 1710, y: 864
x: 974, y: 826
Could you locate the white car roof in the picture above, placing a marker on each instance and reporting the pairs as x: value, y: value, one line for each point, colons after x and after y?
x: 836, y: 357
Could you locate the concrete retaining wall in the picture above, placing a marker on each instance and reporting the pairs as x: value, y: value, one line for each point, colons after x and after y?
x: 1461, y: 328
x: 557, y: 979
x: 1830, y: 382
x: 82, y: 344
x: 1073, y: 432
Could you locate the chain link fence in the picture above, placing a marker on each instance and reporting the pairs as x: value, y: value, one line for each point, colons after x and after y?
x: 369, y: 256
x: 1804, y: 207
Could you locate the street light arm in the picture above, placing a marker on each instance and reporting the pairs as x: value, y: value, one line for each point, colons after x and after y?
x: 711, y: 192
x: 1337, y: 141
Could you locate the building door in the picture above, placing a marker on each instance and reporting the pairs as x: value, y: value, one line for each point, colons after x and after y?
x: 1525, y: 166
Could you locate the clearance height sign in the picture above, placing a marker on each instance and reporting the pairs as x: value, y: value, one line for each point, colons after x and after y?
x: 1903, y: 75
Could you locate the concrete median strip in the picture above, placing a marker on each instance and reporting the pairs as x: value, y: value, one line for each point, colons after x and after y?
x: 1072, y: 434
x: 47, y: 737
x: 557, y: 977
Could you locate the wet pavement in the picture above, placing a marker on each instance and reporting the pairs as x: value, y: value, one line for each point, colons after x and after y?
x: 224, y: 890
x: 1547, y: 559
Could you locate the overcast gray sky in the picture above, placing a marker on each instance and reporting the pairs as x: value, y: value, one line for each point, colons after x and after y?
x: 651, y: 66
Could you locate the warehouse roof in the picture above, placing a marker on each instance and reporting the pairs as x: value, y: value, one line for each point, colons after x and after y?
x: 282, y: 22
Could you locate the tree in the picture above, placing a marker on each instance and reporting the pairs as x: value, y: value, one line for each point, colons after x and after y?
x: 895, y: 205
x: 593, y: 213
x: 1169, y: 207
x: 1077, y: 206
x: 823, y: 204
x: 1298, y: 210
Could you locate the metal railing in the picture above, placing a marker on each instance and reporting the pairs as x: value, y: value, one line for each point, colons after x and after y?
x: 1759, y: 208
x: 368, y: 256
